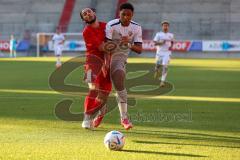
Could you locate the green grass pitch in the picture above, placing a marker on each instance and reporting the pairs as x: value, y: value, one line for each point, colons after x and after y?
x: 206, y: 95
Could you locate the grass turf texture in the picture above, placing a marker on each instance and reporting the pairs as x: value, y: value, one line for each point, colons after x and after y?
x: 206, y: 97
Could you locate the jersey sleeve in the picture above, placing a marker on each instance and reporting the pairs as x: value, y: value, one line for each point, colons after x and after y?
x: 157, y: 37
x: 173, y: 37
x: 53, y: 37
x: 109, y: 31
x: 138, y: 36
x: 63, y: 37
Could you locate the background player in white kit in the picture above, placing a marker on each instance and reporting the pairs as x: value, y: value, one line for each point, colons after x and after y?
x: 13, y: 46
x: 128, y: 36
x: 58, y: 42
x: 164, y: 42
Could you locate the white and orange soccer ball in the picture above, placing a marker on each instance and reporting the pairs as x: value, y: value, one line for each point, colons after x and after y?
x: 114, y: 140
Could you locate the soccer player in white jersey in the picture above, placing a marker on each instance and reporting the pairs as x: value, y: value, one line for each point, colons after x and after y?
x: 127, y: 35
x: 164, y: 42
x: 58, y: 43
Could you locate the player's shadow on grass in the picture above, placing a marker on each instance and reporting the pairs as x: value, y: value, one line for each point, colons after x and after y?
x: 182, y: 144
x: 163, y: 153
x: 195, y: 134
x: 180, y: 136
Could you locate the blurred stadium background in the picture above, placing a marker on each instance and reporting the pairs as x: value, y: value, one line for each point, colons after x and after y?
x: 200, y: 26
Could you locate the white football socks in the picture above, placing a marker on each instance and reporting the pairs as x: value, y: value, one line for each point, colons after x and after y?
x: 58, y: 60
x: 122, y: 103
x: 86, y: 117
x: 164, y: 74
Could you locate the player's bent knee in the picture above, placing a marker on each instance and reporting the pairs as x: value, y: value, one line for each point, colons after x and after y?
x: 118, y: 78
x: 102, y: 99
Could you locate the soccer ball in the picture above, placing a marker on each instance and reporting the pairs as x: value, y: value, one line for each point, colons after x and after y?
x: 114, y: 140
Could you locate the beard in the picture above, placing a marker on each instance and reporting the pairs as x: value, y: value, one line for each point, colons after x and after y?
x: 92, y: 21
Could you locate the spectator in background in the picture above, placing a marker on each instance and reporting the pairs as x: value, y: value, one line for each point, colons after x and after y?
x: 13, y: 46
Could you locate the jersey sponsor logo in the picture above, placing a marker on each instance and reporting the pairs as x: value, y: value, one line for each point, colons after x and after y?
x: 130, y: 33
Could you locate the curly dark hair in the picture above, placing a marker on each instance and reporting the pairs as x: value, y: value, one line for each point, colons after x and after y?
x: 127, y: 6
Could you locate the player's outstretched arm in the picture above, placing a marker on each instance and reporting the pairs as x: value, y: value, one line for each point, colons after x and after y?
x: 159, y: 43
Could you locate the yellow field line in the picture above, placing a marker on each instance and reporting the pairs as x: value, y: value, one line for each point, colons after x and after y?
x: 28, y: 91
x: 184, y: 98
x: 179, y: 61
x: 190, y: 98
x: 34, y: 59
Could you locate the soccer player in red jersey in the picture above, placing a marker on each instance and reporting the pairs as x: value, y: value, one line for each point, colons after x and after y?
x: 96, y: 70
